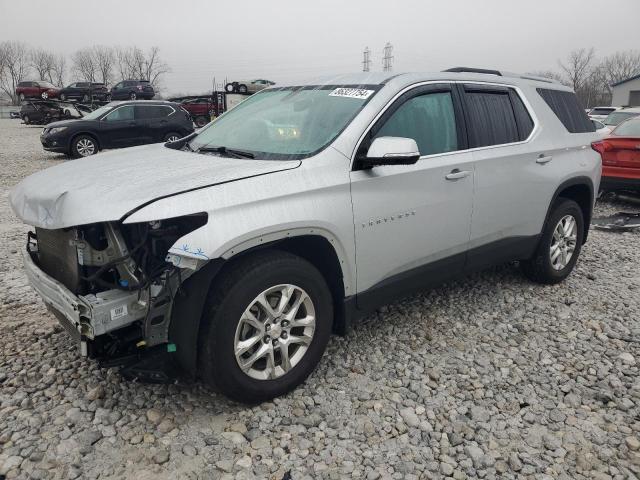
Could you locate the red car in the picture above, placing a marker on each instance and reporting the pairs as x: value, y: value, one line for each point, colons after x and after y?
x: 621, y: 157
x: 200, y: 110
x: 40, y: 89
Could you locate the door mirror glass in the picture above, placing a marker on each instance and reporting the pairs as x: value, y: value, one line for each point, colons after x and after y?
x: 392, y: 151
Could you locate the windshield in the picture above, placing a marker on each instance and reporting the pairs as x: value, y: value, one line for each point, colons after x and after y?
x: 286, y: 123
x: 617, y: 118
x: 630, y: 128
x: 97, y: 113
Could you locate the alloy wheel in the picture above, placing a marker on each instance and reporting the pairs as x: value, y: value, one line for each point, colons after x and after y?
x: 275, y: 332
x: 85, y: 147
x: 563, y: 242
x: 173, y: 138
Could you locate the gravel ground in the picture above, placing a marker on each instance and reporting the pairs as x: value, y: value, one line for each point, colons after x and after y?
x: 488, y: 377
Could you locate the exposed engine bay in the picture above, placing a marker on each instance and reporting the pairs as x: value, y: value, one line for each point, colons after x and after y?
x: 122, y: 277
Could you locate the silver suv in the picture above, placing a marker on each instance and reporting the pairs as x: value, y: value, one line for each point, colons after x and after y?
x: 235, y: 252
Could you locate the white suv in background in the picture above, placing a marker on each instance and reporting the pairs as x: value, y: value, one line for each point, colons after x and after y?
x: 235, y: 252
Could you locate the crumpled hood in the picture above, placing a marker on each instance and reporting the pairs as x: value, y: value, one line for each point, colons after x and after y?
x: 108, y: 186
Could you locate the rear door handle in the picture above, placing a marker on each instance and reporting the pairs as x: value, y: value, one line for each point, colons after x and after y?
x: 542, y: 159
x: 457, y: 174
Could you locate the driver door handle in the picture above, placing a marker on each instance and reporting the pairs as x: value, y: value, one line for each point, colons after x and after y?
x: 457, y: 174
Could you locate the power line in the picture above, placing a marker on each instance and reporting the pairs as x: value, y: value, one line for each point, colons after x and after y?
x: 366, y: 62
x: 387, y: 58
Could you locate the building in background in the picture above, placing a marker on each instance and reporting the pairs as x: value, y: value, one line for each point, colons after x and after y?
x: 626, y: 92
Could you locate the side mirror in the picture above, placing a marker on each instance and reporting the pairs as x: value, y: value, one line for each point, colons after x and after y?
x: 391, y: 151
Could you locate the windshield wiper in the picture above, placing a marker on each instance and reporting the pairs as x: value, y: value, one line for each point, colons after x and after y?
x: 227, y: 151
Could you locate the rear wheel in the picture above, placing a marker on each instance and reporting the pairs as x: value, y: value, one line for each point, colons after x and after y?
x: 44, y: 95
x: 26, y: 120
x: 21, y: 97
x: 200, y: 121
x: 63, y: 97
x: 266, y: 326
x: 133, y: 96
x: 242, y: 88
x: 85, y: 98
x: 559, y: 246
x: 83, y: 146
x: 108, y: 97
x: 230, y: 87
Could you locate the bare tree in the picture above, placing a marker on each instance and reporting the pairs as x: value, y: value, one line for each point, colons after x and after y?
x: 104, y: 60
x: 14, y: 66
x: 42, y: 63
x: 133, y: 63
x: 58, y: 70
x: 578, y: 67
x: 620, y: 66
x: 84, y: 64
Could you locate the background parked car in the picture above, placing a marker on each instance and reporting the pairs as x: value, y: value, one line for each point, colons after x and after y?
x: 39, y: 89
x: 85, y: 92
x: 132, y: 90
x: 42, y: 112
x: 616, y: 118
x: 621, y: 157
x: 248, y: 86
x: 600, y: 113
x: 601, y: 128
x: 116, y: 125
x: 200, y: 110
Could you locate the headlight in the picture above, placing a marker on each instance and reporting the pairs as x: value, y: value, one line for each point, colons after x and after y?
x: 55, y: 130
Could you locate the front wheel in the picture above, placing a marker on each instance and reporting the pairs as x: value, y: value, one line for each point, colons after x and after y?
x: 44, y: 95
x: 559, y: 246
x: 172, y: 137
x: 242, y: 88
x: 63, y: 97
x: 83, y: 146
x: 267, y: 324
x: 21, y: 97
x: 133, y: 96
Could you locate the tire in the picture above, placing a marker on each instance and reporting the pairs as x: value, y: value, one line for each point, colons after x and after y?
x: 223, y: 326
x: 21, y: 97
x: 26, y: 120
x: 230, y: 87
x: 133, y: 96
x: 242, y: 88
x: 63, y: 97
x: 44, y: 95
x: 541, y: 267
x: 81, y: 146
x: 85, y: 98
x: 108, y: 97
x: 200, y: 121
x: 172, y: 137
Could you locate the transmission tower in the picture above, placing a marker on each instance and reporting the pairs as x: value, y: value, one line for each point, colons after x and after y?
x: 366, y: 62
x: 387, y: 57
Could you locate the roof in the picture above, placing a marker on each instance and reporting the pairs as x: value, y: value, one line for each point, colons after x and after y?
x: 635, y: 77
x: 381, y: 78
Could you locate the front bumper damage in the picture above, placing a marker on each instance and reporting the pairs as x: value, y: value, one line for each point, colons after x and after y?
x: 85, y: 317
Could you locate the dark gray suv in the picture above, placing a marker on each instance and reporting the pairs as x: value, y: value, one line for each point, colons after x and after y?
x: 132, y: 90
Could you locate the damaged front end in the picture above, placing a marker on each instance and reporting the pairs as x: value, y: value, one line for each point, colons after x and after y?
x: 112, y: 286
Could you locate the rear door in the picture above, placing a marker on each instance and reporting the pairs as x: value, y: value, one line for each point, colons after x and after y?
x: 155, y: 122
x: 119, y: 128
x: 511, y: 180
x: 412, y: 221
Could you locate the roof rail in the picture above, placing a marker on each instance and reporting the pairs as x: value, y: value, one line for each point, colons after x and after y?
x: 473, y: 70
x: 538, y: 79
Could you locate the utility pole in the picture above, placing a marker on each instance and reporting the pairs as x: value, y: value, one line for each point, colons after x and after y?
x: 387, y: 57
x: 366, y: 62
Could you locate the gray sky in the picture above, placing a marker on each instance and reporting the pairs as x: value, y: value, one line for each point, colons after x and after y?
x: 286, y: 40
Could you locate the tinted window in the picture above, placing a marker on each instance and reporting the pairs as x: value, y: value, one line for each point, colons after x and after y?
x: 568, y: 110
x: 601, y: 111
x: 82, y: 84
x: 525, y: 123
x: 120, y: 113
x: 429, y: 119
x: 152, y: 111
x: 492, y: 120
x: 23, y: 84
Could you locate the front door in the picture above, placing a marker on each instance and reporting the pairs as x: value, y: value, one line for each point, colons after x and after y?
x: 412, y: 222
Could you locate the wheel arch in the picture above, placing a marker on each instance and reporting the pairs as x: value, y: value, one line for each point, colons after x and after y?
x: 580, y: 190
x: 188, y: 307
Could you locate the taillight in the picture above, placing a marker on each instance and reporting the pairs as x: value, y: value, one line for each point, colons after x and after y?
x: 602, y: 146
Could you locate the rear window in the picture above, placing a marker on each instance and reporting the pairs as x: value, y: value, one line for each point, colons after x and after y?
x: 491, y: 116
x: 616, y: 118
x: 153, y: 111
x: 568, y: 110
x: 601, y: 111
